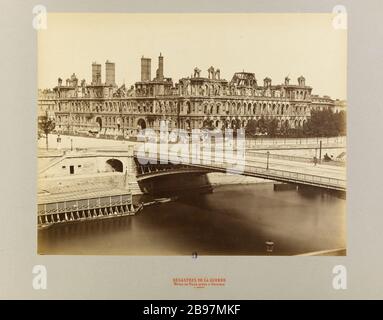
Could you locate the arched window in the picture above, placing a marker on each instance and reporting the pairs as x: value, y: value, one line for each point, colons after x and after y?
x: 238, y: 108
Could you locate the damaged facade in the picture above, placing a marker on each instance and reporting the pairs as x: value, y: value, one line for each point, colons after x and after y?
x: 192, y: 102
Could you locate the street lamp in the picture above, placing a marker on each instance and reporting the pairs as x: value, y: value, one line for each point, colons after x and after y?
x: 269, y: 246
x: 267, y: 163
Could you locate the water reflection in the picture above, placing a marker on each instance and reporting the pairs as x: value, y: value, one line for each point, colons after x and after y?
x: 233, y: 220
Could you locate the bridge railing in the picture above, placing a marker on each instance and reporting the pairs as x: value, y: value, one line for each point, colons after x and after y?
x: 294, y: 158
x: 300, y: 177
x: 262, y: 140
x: 285, y: 175
x: 224, y: 164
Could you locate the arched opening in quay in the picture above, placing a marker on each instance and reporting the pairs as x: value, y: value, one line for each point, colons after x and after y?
x: 114, y: 165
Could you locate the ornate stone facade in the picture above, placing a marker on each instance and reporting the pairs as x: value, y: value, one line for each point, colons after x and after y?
x: 192, y: 102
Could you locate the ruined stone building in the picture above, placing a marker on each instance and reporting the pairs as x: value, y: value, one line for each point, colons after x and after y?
x: 196, y: 101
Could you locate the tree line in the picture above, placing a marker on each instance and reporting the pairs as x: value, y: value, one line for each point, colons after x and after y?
x: 321, y: 123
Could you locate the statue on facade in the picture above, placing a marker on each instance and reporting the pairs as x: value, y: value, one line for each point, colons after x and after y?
x: 217, y: 74
x: 211, y: 74
x: 197, y: 72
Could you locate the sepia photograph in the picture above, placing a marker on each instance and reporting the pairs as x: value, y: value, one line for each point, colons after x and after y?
x: 192, y: 134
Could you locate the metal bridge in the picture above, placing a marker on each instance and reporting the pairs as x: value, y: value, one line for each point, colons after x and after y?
x: 283, y: 170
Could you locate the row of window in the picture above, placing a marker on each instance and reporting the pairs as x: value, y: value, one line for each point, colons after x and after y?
x: 194, y: 123
x: 239, y: 108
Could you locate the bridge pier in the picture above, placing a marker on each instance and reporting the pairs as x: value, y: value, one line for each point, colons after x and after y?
x: 310, y: 190
x: 284, y: 186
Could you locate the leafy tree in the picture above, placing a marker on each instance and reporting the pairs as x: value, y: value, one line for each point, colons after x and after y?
x: 208, y: 124
x: 46, y: 125
x: 272, y: 127
x: 251, y: 127
x: 341, y: 123
x: 285, y: 128
x: 262, y: 125
x: 325, y: 123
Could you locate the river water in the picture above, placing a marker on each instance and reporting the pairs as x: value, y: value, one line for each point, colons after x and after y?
x: 232, y: 220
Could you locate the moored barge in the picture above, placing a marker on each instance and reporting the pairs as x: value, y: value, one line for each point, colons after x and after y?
x: 68, y: 208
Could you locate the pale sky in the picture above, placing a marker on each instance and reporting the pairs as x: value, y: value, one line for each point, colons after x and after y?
x: 273, y: 45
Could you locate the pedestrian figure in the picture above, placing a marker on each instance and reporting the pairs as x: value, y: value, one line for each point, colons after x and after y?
x: 315, y: 161
x: 58, y: 142
x: 326, y: 157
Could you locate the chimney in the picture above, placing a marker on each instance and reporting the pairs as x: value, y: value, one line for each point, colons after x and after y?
x: 110, y: 78
x: 287, y: 81
x: 160, y: 70
x: 218, y: 74
x: 146, y: 69
x: 74, y: 80
x: 96, y: 73
x: 267, y: 82
x: 301, y: 81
